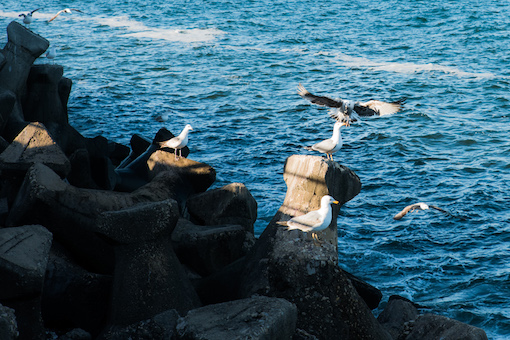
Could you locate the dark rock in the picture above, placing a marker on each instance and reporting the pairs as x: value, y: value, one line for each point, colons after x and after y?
x: 8, y: 325
x: 396, y: 315
x: 73, y: 297
x: 371, y: 295
x: 76, y: 334
x: 231, y: 204
x: 160, y: 327
x: 22, y: 48
x: 43, y: 102
x: 80, y: 175
x: 64, y: 90
x: 34, y: 145
x: 138, y: 146
x: 435, y: 327
x: 254, y: 318
x: 117, y: 152
x: 148, y: 277
x: 7, y: 101
x: 23, y: 258
x: 71, y: 213
x: 207, y: 249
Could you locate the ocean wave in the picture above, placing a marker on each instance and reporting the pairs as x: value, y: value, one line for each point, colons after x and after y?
x: 398, y: 67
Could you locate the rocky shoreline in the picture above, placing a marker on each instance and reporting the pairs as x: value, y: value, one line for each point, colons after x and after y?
x: 100, y: 240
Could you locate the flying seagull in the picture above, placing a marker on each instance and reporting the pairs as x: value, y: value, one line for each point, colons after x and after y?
x: 416, y: 206
x: 27, y: 18
x: 179, y: 142
x: 66, y: 10
x: 316, y: 220
x: 330, y: 145
x: 343, y: 109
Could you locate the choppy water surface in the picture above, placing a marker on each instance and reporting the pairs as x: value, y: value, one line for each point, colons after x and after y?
x: 230, y: 69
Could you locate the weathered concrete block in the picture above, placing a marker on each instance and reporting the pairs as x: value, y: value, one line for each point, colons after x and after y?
x: 23, y: 258
x: 432, y: 327
x: 7, y: 101
x: 34, y: 145
x: 230, y: 204
x: 254, y: 318
x: 207, y: 249
x: 8, y: 325
x: 148, y: 278
x: 396, y: 315
x: 42, y: 102
x: 22, y: 48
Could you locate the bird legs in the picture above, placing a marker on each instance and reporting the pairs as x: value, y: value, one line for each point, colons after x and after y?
x: 180, y: 154
x: 316, y: 240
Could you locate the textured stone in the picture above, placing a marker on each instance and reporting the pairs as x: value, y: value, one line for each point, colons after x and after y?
x: 8, y: 325
x: 34, y: 145
x: 255, y: 318
x: 397, y: 313
x: 230, y: 204
x: 435, y: 327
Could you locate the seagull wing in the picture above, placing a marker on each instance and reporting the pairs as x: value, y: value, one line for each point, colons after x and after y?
x: 306, y: 222
x: 439, y: 209
x: 56, y: 15
x: 406, y: 210
x: 77, y: 10
x: 319, y: 100
x: 377, y: 107
x: 325, y: 146
x: 34, y: 11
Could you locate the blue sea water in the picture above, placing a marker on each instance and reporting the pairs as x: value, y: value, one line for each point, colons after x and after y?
x: 231, y: 68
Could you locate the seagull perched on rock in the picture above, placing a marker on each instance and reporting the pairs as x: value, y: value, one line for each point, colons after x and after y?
x: 414, y: 207
x: 342, y: 110
x: 330, y: 145
x: 27, y: 18
x: 66, y: 10
x: 179, y: 142
x: 316, y: 220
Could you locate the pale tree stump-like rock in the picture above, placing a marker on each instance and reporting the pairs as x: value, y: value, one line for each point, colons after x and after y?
x: 255, y: 318
x: 24, y: 255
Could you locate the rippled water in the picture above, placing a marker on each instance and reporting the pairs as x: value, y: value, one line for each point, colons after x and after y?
x: 231, y: 68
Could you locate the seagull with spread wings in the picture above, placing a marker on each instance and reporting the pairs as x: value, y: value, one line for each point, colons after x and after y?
x: 66, y: 10
x: 342, y: 110
x: 417, y: 206
x: 27, y: 18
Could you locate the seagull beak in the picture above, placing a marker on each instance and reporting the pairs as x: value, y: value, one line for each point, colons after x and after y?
x: 335, y: 202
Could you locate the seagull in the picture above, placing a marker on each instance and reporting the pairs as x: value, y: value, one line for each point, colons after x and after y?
x: 416, y: 206
x: 51, y: 53
x: 27, y: 18
x: 331, y: 145
x: 162, y: 117
x: 343, y: 109
x: 66, y: 10
x: 179, y: 142
x: 316, y: 220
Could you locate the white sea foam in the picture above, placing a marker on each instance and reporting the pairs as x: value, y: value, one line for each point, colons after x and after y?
x: 138, y: 30
x: 397, y: 67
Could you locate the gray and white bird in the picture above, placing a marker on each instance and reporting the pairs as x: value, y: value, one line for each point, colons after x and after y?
x: 342, y: 110
x: 51, y: 53
x: 179, y: 142
x: 65, y: 10
x: 330, y: 145
x: 27, y: 17
x: 414, y: 207
x: 316, y: 220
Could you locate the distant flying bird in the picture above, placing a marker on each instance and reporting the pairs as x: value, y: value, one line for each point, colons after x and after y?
x: 27, y: 18
x: 316, y: 220
x: 416, y: 206
x: 342, y: 110
x: 179, y: 142
x: 51, y: 53
x: 330, y: 145
x: 66, y: 10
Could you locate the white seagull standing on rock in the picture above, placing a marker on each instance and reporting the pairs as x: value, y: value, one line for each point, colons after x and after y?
x: 330, y: 145
x: 179, y: 142
x: 316, y: 220
x: 343, y: 109
x: 416, y: 206
x: 66, y: 10
x: 27, y: 18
